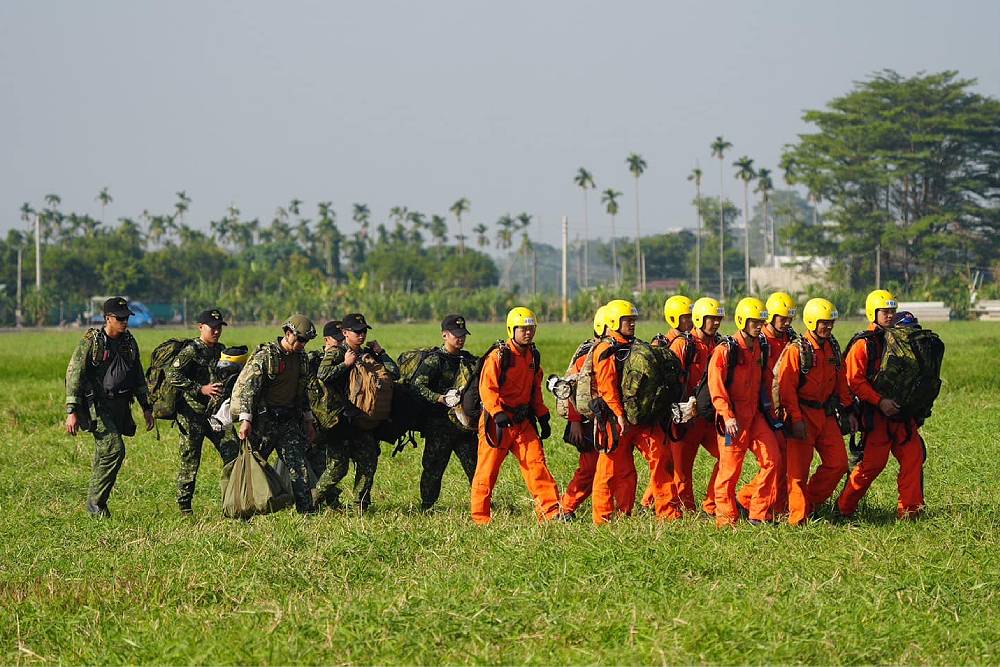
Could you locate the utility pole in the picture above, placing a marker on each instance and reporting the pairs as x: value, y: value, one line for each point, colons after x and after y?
x: 878, y: 265
x: 18, y: 311
x: 643, y: 273
x: 565, y: 266
x: 38, y: 252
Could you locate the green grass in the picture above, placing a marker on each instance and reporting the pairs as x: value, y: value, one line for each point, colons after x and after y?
x: 399, y: 586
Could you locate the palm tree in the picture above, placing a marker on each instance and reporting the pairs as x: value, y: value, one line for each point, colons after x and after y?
x: 585, y: 180
x: 294, y: 206
x: 764, y: 188
x: 182, y: 205
x: 636, y: 165
x: 105, y: 198
x: 418, y: 223
x: 505, y: 231
x: 610, y: 199
x: 719, y: 148
x: 329, y: 235
x: 745, y: 173
x: 457, y: 209
x: 362, y: 217
x: 524, y: 220
x: 439, y: 230
x: 695, y: 176
x: 482, y: 240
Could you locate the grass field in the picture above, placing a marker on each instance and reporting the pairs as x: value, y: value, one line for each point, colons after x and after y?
x: 398, y: 586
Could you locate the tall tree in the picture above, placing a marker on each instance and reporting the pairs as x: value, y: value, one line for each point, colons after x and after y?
x: 746, y: 173
x: 764, y: 188
x: 482, y: 239
x: 636, y: 166
x: 330, y: 237
x: 910, y: 167
x: 505, y: 231
x: 610, y: 200
x: 182, y: 205
x: 695, y: 176
x: 458, y: 209
x: 585, y: 180
x: 104, y: 197
x: 719, y: 148
x: 439, y: 230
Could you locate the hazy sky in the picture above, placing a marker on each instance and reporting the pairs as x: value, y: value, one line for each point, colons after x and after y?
x: 420, y: 103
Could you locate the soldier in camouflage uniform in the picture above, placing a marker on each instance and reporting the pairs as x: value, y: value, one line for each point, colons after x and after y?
x: 103, y: 376
x: 270, y: 403
x: 435, y: 375
x: 350, y: 443
x: 199, y: 393
x: 318, y: 455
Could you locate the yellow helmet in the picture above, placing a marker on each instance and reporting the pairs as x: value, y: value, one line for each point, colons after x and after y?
x: 780, y: 303
x: 749, y: 308
x: 674, y: 307
x: 519, y: 317
x: 877, y: 299
x: 816, y: 310
x: 615, y: 310
x: 704, y: 307
x: 600, y: 321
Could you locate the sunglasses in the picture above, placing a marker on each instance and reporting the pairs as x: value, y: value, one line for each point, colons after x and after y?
x: 121, y: 318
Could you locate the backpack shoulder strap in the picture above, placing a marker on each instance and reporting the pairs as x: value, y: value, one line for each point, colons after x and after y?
x: 765, y: 349
x: 838, y: 356
x: 732, y: 357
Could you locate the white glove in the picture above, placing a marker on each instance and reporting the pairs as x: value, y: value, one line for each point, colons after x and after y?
x: 684, y: 412
x: 222, y: 418
x: 452, y: 398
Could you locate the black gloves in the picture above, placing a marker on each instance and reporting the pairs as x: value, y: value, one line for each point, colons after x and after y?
x: 544, y: 430
x: 501, y: 420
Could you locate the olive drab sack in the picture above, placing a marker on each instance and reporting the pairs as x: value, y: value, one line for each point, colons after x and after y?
x: 327, y: 407
x: 562, y: 404
x: 910, y: 369
x: 369, y: 389
x: 410, y: 361
x: 162, y: 394
x: 651, y: 383
x: 251, y: 487
x: 807, y: 361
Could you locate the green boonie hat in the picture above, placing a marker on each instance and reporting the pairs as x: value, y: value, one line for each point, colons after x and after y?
x: 300, y: 325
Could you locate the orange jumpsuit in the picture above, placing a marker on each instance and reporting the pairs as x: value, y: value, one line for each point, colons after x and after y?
x: 741, y: 401
x: 522, y: 386
x: 582, y: 484
x: 823, y: 381
x: 647, y: 495
x: 776, y: 341
x: 884, y: 436
x: 615, y: 478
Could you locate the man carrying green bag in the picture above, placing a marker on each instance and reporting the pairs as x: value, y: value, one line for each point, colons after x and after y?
x: 251, y: 486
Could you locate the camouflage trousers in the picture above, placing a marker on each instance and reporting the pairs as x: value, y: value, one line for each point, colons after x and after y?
x: 114, y: 420
x: 349, y: 445
x: 440, y: 441
x: 193, y: 430
x: 288, y: 437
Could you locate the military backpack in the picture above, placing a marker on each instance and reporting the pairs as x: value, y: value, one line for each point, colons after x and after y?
x: 909, y: 367
x: 584, y: 376
x: 651, y: 378
x: 369, y: 389
x: 325, y: 403
x: 162, y: 394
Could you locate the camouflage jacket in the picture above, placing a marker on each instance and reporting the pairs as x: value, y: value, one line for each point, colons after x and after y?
x: 195, y: 365
x: 333, y: 372
x: 264, y: 365
x: 90, y: 362
x: 438, y: 372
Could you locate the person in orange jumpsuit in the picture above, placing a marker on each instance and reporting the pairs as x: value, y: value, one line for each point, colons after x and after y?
x: 778, y: 332
x: 615, y: 479
x: 743, y: 425
x: 707, y: 314
x: 579, y: 433
x: 882, y: 435
x: 507, y: 425
x: 677, y: 313
x: 811, y: 401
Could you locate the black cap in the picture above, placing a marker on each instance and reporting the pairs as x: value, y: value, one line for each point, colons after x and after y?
x: 454, y: 324
x: 212, y: 317
x: 354, y: 322
x: 117, y: 305
x: 333, y: 329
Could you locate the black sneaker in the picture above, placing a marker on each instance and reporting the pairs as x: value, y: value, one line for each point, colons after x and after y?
x: 743, y: 511
x: 98, y: 511
x: 565, y: 517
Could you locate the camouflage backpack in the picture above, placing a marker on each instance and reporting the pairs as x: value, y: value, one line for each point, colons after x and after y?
x: 326, y: 405
x: 369, y: 389
x: 910, y: 368
x: 807, y: 361
x: 162, y: 394
x: 651, y: 379
x: 562, y: 404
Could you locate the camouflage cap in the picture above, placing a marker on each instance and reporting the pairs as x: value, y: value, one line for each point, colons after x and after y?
x: 300, y: 325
